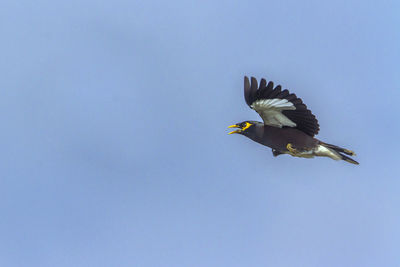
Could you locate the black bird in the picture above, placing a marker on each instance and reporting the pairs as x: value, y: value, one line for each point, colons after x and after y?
x: 289, y: 127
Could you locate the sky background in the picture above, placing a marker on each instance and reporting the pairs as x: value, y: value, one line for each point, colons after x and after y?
x: 114, y: 142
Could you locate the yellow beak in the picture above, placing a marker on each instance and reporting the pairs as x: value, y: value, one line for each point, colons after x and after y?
x: 235, y: 131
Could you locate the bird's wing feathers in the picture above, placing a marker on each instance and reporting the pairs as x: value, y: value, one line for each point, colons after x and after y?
x: 279, y: 108
x: 270, y: 111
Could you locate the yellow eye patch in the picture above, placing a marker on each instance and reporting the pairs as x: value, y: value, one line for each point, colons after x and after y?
x: 247, y: 126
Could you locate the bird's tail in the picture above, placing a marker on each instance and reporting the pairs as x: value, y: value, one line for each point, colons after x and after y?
x: 340, y: 151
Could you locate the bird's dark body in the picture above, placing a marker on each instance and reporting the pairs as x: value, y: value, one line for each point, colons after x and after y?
x: 278, y: 138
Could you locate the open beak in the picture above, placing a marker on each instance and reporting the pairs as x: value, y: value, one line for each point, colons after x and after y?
x: 235, y: 131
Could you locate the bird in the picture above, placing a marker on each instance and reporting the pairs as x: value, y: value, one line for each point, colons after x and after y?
x: 288, y: 126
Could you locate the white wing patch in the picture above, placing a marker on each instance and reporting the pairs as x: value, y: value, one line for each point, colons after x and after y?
x: 270, y: 111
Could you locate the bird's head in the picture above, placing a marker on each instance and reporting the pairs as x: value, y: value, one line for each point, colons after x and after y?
x: 243, y: 127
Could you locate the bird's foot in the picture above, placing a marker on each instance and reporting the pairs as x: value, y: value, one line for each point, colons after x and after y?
x: 292, y: 150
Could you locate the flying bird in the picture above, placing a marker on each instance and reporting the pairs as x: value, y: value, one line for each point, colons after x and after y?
x: 288, y: 125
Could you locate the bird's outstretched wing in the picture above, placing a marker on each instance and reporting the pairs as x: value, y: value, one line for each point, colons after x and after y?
x: 279, y: 108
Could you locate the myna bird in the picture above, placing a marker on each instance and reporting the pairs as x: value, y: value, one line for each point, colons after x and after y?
x: 289, y: 127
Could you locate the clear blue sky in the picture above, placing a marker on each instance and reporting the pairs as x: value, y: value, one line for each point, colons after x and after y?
x: 115, y: 149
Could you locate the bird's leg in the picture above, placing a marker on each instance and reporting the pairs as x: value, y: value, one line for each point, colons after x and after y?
x: 300, y: 152
x: 292, y: 150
